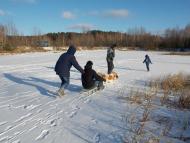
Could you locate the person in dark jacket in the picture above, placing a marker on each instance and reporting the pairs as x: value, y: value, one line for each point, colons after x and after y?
x: 110, y: 57
x: 147, y: 61
x: 90, y: 79
x: 63, y: 66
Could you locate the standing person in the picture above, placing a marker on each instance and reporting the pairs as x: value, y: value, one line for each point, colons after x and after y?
x: 110, y: 57
x: 147, y: 61
x: 90, y: 79
x: 63, y: 66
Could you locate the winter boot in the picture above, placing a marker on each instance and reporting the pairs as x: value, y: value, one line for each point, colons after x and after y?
x: 60, y: 92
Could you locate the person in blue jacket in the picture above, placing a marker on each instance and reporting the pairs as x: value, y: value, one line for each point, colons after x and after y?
x: 63, y: 66
x: 147, y: 61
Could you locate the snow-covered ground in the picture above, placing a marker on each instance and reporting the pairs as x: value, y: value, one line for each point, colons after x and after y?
x: 30, y: 112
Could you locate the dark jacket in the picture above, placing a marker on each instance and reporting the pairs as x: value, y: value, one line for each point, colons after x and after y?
x: 147, y: 60
x: 110, y: 54
x: 90, y: 77
x: 65, y: 62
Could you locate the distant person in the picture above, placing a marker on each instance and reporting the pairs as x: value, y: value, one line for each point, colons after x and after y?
x: 110, y: 57
x: 147, y: 61
x: 90, y: 79
x: 63, y: 66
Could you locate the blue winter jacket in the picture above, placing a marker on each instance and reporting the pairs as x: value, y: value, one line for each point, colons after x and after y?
x: 147, y: 60
x: 65, y: 62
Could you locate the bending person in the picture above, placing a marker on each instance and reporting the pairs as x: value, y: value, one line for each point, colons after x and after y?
x: 63, y: 66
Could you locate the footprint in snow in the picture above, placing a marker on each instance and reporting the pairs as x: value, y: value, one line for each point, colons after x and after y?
x: 43, y: 134
x: 52, y: 122
x: 73, y: 113
x: 94, y: 121
x: 76, y: 108
x: 30, y: 107
x: 87, y: 101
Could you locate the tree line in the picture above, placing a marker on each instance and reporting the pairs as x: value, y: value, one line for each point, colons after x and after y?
x: 170, y: 39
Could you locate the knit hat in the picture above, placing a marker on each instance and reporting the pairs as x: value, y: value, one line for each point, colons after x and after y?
x: 89, y: 64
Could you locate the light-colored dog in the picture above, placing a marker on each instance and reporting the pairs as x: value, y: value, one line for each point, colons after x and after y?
x: 109, y: 77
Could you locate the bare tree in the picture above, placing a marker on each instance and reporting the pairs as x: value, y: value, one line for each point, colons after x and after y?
x: 2, y: 36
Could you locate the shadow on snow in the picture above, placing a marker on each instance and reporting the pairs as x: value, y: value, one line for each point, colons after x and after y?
x: 33, y: 81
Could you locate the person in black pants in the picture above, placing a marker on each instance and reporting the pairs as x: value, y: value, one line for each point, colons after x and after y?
x: 110, y: 57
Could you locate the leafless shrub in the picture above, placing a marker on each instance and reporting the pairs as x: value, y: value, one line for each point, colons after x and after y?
x: 136, y: 97
x: 167, y: 129
x: 173, y: 91
x: 171, y: 83
x: 137, y: 124
x: 184, y: 99
x: 174, y: 85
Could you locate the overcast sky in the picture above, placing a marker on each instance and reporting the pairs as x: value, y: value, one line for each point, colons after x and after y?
x: 108, y: 15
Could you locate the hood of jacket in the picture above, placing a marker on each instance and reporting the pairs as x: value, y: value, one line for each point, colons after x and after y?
x: 71, y: 50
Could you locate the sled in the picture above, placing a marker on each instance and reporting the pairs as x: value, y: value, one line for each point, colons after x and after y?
x: 89, y: 91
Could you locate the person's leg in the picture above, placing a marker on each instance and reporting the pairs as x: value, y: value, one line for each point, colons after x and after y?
x: 67, y: 81
x: 64, y: 84
x: 109, y: 67
x: 112, y: 67
x: 64, y: 81
x: 147, y: 66
x: 100, y: 85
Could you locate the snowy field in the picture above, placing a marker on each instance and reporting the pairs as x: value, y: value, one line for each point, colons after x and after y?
x: 30, y: 112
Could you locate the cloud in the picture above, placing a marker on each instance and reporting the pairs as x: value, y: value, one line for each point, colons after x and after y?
x: 2, y: 13
x: 94, y: 13
x: 68, y: 15
x: 117, y: 13
x: 83, y: 27
x: 114, y: 13
x: 25, y: 1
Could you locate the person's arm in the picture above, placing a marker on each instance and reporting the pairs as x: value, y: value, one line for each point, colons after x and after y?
x: 76, y: 65
x: 150, y: 61
x: 113, y: 52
